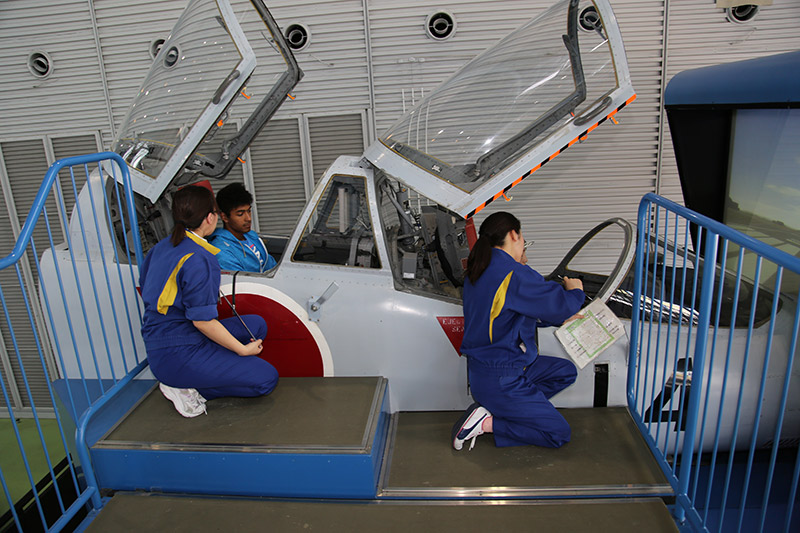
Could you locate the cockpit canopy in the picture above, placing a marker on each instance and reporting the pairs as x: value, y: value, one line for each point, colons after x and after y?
x: 190, y: 91
x: 511, y: 109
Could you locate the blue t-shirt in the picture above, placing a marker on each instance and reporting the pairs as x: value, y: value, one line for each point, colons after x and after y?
x: 249, y: 255
x: 179, y: 284
x: 504, y: 308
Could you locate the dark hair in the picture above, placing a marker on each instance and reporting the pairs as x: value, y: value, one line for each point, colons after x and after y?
x: 232, y: 196
x: 492, y: 233
x: 190, y: 206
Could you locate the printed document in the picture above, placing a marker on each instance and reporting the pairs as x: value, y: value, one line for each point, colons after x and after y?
x: 586, y: 338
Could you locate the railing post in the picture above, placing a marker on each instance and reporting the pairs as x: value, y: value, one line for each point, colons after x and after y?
x: 698, y: 366
x: 642, y: 227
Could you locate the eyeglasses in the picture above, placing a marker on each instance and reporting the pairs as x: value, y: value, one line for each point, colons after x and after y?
x: 526, y: 244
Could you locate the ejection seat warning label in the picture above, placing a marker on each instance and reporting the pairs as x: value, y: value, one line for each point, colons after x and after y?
x: 586, y: 338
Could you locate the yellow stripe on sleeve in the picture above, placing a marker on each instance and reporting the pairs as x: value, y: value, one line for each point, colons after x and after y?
x: 170, y: 290
x: 499, y: 302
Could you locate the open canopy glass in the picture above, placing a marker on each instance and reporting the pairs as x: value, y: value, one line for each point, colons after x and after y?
x: 511, y: 108
x: 187, y: 94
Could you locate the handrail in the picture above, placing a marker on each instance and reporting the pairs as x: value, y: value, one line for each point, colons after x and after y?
x: 44, y: 190
x: 60, y: 293
x: 688, y: 378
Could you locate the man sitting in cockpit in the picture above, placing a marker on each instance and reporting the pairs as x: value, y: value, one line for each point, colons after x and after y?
x: 240, y: 247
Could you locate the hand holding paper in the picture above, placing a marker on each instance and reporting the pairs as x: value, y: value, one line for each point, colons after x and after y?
x: 587, y: 334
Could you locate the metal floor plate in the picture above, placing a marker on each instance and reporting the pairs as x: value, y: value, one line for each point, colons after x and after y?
x: 333, y: 413
x: 607, y: 456
x: 150, y: 512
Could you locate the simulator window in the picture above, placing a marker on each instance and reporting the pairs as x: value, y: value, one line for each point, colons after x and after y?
x: 764, y: 185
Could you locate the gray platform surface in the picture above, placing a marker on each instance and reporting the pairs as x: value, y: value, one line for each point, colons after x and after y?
x: 142, y: 512
x: 300, y: 412
x: 606, y: 456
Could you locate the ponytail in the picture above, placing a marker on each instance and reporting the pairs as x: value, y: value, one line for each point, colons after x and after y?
x: 178, y: 233
x: 190, y: 206
x: 493, y: 232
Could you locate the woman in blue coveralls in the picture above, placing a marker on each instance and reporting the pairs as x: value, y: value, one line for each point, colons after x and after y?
x: 195, y: 356
x: 504, y: 302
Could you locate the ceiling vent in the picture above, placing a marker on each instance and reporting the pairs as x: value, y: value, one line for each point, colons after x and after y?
x: 40, y: 64
x: 172, y: 56
x: 155, y: 47
x: 298, y: 36
x: 741, y: 14
x: 589, y: 19
x: 440, y: 25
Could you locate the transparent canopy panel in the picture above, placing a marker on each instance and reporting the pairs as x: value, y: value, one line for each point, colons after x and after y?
x: 556, y: 72
x: 187, y: 95
x: 184, y: 77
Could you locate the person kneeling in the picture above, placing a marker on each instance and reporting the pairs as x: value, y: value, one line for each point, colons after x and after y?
x: 504, y: 302
x: 195, y: 356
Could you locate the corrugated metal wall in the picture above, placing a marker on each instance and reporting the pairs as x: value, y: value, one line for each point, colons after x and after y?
x: 72, y: 95
x: 278, y: 182
x: 336, y: 77
x: 368, y: 60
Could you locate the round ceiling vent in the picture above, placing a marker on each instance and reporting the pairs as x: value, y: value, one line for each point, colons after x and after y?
x: 155, y: 47
x: 172, y: 56
x: 741, y: 14
x: 440, y: 26
x: 298, y: 36
x: 589, y: 19
x: 40, y: 64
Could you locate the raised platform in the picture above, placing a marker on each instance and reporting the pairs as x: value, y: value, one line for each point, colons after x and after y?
x: 606, y: 457
x: 325, y: 453
x: 312, y: 437
x: 141, y: 512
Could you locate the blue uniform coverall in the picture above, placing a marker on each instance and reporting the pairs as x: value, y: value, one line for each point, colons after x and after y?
x: 181, y: 284
x: 249, y: 255
x: 515, y: 383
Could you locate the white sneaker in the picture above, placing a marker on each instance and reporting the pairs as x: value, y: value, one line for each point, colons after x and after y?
x: 469, y: 426
x: 188, y: 402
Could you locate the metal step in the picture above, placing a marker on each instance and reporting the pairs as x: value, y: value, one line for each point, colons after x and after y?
x: 127, y: 512
x: 312, y: 437
x: 607, y: 456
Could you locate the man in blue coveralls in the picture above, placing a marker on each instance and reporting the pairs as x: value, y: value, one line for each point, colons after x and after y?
x: 240, y: 247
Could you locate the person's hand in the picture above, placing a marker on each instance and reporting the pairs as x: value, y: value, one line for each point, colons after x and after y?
x: 576, y: 316
x: 252, y: 348
x: 572, y: 283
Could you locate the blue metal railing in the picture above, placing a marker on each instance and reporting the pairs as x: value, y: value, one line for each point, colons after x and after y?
x: 710, y: 374
x: 83, y: 362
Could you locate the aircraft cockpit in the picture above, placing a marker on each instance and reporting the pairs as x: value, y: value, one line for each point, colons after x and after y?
x: 384, y: 237
x: 340, y: 232
x: 497, y: 120
x: 426, y: 246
